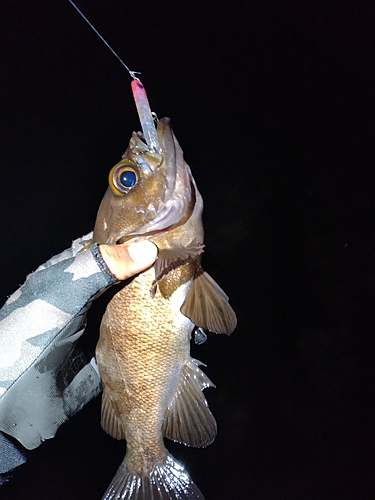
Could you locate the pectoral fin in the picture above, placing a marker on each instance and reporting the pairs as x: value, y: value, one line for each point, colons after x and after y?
x: 110, y: 421
x: 170, y: 258
x: 207, y: 306
x: 188, y: 419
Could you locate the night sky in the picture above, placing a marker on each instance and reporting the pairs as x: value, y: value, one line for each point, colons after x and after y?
x: 273, y: 105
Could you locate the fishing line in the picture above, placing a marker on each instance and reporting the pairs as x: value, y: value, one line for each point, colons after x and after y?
x: 131, y: 73
x: 146, y: 117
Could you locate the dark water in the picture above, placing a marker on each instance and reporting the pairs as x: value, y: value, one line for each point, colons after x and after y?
x: 273, y: 104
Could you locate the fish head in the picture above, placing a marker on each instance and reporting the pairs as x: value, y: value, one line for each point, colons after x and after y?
x: 148, y: 191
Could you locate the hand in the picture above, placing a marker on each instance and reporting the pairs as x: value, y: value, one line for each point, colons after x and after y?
x: 128, y: 259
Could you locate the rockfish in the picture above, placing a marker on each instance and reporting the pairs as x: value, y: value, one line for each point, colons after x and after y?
x: 152, y: 388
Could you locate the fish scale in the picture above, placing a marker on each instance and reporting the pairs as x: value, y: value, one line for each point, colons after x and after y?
x: 140, y: 331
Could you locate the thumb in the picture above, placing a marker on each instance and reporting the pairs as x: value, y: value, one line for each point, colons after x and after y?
x: 142, y: 252
x: 128, y: 259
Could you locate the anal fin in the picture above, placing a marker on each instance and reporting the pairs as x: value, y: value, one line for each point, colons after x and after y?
x: 188, y: 419
x: 207, y: 305
x: 110, y: 421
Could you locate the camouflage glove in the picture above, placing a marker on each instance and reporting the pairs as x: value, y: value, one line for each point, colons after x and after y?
x: 39, y: 326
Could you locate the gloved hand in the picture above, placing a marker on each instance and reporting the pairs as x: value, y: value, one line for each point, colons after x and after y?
x: 39, y: 327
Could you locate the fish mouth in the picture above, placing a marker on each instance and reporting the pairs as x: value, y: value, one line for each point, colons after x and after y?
x: 178, y: 190
x: 150, y: 159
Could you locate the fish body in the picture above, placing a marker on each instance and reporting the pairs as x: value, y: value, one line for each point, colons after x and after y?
x: 152, y: 388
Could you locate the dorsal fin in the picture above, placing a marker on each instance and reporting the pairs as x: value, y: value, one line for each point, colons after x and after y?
x: 188, y: 419
x: 207, y: 306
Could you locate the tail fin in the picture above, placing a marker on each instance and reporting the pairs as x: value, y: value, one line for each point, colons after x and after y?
x: 169, y: 481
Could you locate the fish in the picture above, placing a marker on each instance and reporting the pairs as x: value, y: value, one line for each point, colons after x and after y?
x: 152, y: 387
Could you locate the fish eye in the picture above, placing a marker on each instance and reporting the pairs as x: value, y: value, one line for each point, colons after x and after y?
x: 123, y: 177
x: 127, y: 178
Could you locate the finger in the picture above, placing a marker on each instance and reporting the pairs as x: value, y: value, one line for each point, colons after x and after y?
x: 128, y: 259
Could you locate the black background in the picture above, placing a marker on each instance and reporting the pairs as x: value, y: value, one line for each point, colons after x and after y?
x: 273, y: 104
